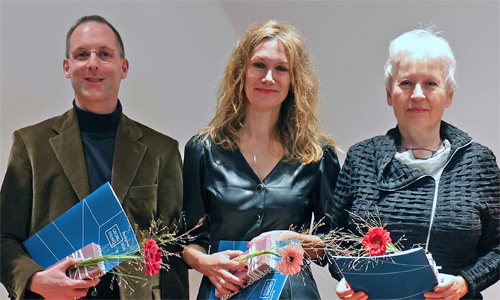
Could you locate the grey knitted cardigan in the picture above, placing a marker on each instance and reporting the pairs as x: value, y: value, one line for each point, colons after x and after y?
x: 465, y: 236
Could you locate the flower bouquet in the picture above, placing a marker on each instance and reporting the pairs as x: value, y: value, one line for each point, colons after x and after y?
x: 371, y: 238
x: 149, y: 257
x: 372, y: 263
x: 290, y: 257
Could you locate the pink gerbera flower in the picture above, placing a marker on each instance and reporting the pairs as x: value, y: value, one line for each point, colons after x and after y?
x: 291, y: 259
x: 152, y: 257
x: 375, y: 241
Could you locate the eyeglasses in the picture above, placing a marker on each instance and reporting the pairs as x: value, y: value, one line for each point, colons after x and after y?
x: 105, y: 55
x: 421, y: 153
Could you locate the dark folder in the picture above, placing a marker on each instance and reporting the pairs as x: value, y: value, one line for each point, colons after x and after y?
x: 403, y: 275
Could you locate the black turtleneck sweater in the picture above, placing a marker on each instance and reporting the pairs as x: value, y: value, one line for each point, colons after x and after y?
x: 98, y: 137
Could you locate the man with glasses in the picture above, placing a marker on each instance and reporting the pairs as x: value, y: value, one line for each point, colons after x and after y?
x: 58, y: 162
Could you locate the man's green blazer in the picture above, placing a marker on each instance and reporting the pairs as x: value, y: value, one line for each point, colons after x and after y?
x: 46, y: 175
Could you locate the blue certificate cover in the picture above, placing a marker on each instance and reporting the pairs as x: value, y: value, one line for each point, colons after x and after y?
x: 403, y: 275
x: 268, y: 287
x: 99, y: 218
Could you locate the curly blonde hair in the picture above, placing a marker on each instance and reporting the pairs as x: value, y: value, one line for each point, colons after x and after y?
x: 298, y: 127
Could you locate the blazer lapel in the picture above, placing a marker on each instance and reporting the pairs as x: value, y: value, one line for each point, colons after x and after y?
x: 68, y: 148
x: 127, y: 156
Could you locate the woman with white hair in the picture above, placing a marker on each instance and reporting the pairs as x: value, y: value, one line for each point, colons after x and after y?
x: 428, y: 180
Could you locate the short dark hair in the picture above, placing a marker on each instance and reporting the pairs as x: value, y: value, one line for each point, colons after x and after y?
x: 97, y: 19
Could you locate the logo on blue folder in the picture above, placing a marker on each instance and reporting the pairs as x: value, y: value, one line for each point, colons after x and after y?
x: 114, y: 236
x: 268, y: 289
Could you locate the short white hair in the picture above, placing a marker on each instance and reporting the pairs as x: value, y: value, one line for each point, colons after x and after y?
x: 420, y: 44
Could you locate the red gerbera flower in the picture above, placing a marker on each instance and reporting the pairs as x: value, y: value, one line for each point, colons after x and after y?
x: 152, y: 257
x: 375, y: 241
x: 291, y: 259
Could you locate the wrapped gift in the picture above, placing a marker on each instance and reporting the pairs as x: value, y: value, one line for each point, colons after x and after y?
x: 92, y: 250
x: 258, y: 266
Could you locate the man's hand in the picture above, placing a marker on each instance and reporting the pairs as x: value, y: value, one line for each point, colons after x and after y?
x: 52, y: 283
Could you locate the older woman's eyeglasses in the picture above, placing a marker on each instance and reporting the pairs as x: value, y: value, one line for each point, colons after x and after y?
x: 421, y: 153
x: 105, y: 55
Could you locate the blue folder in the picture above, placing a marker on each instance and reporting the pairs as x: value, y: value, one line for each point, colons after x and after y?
x: 99, y: 218
x: 403, y: 275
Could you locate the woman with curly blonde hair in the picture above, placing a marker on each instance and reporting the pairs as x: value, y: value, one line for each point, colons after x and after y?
x: 262, y: 164
x: 298, y: 128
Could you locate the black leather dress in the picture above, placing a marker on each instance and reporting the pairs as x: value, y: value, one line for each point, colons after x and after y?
x: 239, y: 206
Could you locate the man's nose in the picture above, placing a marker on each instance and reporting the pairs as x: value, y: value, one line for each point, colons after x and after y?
x: 93, y: 61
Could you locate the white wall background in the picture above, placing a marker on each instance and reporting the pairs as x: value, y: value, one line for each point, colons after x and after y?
x: 178, y: 51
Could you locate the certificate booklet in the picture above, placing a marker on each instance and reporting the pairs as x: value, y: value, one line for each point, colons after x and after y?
x: 99, y: 219
x: 268, y: 287
x: 402, y: 275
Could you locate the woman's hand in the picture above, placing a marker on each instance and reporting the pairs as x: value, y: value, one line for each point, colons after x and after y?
x: 277, y: 235
x: 217, y: 267
x: 344, y: 291
x: 449, y: 287
x: 309, y: 242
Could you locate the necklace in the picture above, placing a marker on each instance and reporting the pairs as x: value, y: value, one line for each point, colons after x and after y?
x: 255, y: 160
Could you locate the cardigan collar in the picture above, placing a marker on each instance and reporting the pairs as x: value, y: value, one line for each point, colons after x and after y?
x: 393, y: 174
